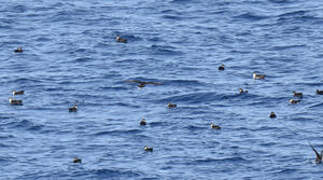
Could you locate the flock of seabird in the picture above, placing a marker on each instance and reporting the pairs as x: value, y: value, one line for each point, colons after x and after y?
x: 298, y: 95
x: 142, y: 84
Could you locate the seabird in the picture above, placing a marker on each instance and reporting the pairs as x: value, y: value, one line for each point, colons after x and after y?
x: 272, y: 115
x: 318, y: 158
x: 18, y: 50
x: 73, y: 108
x: 170, y: 105
x: 77, y: 160
x: 320, y: 92
x: 143, y: 122
x: 298, y: 94
x: 17, y: 92
x: 15, y: 101
x: 293, y: 101
x: 241, y: 91
x: 213, y: 126
x: 148, y: 149
x: 258, y: 76
x: 221, y: 68
x: 121, y: 40
x: 142, y: 84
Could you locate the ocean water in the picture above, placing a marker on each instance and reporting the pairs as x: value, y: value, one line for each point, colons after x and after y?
x: 71, y: 57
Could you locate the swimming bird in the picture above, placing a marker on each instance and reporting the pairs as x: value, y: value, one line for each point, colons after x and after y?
x: 293, y: 101
x: 15, y: 101
x: 213, y: 126
x: 241, y: 91
x: 18, y: 50
x: 272, y: 115
x: 318, y: 158
x: 258, y: 76
x: 221, y: 68
x: 170, y: 105
x: 320, y: 92
x: 121, y: 40
x: 148, y: 149
x: 143, y: 122
x: 298, y: 94
x: 17, y: 92
x: 77, y: 160
x: 73, y: 108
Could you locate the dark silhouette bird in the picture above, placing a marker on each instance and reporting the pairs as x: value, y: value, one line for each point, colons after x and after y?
x: 242, y: 91
x: 73, y: 108
x: 77, y: 160
x: 320, y: 92
x: 148, y: 149
x: 293, y: 101
x: 170, y: 105
x: 213, y: 126
x: 221, y: 68
x: 272, y: 115
x: 143, y: 122
x: 18, y: 50
x: 142, y: 84
x: 318, y: 158
x: 121, y: 40
x: 298, y: 94
x: 17, y: 92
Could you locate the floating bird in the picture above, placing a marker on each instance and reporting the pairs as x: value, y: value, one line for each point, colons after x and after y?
x: 143, y: 122
x: 258, y: 76
x: 170, y: 105
x: 73, y: 108
x: 77, y: 160
x: 272, y: 115
x: 318, y: 159
x: 293, y: 101
x: 148, y: 149
x: 18, y: 50
x: 17, y: 92
x: 121, y: 40
x: 213, y: 126
x: 298, y: 94
x: 241, y: 91
x: 320, y: 92
x: 221, y: 68
x: 15, y: 101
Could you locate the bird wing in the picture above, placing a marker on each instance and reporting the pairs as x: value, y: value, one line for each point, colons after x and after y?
x: 316, y: 153
x: 135, y: 81
x: 154, y: 83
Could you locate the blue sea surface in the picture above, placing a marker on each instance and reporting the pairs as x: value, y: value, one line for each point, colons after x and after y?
x: 71, y: 57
